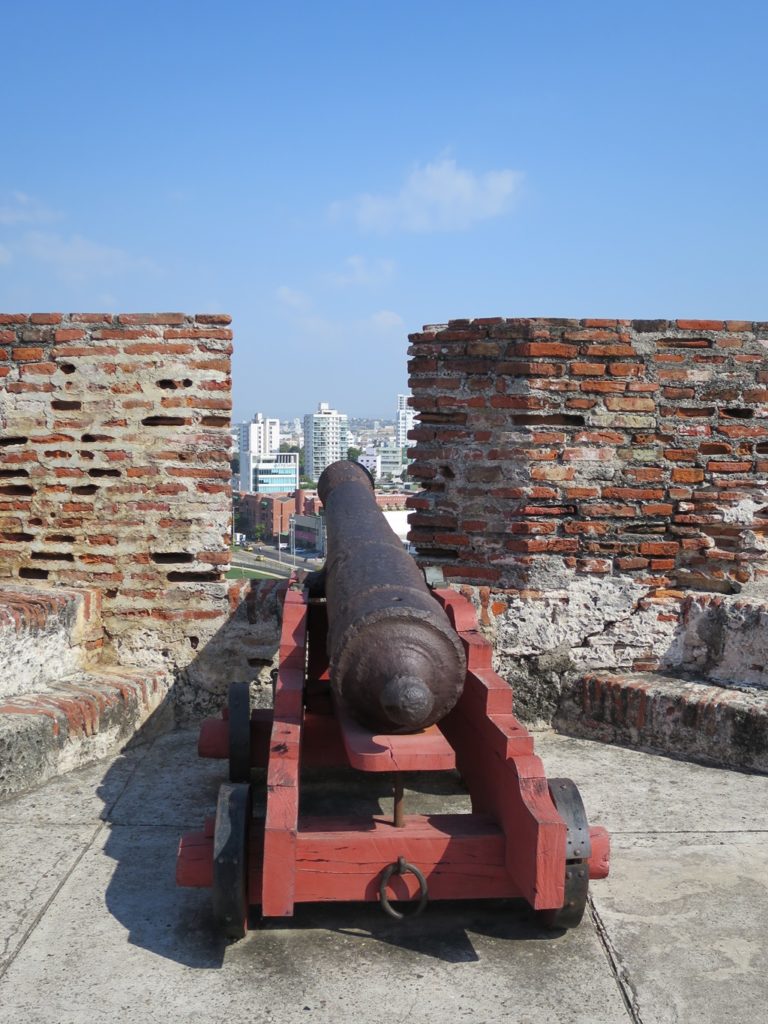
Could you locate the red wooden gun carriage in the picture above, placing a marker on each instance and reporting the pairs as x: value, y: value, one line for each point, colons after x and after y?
x: 378, y: 673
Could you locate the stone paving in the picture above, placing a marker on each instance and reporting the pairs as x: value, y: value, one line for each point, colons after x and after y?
x: 92, y: 927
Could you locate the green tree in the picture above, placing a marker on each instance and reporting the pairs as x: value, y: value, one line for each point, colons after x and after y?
x: 353, y: 454
x: 285, y: 447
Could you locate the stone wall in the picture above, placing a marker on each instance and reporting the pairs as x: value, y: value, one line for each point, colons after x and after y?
x: 114, y: 475
x: 584, y: 478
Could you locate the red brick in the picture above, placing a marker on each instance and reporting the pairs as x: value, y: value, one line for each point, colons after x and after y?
x: 523, y: 368
x: 162, y: 319
x: 544, y: 544
x: 700, y: 325
x: 587, y: 369
x: 516, y: 402
x: 68, y: 351
x: 531, y: 527
x: 650, y: 474
x: 599, y: 437
x: 594, y: 565
x: 22, y: 353
x: 551, y: 472
x: 631, y: 563
x: 213, y: 318
x: 729, y: 467
x: 630, y: 404
x: 45, y: 318
x: 119, y: 334
x: 581, y: 493
x: 69, y: 334
x: 602, y: 509
x: 681, y: 454
x: 625, y: 369
x: 217, y: 334
x: 475, y: 573
x: 553, y: 383
x: 603, y: 386
x: 659, y: 547
x: 552, y: 349
x: 38, y: 369
x: 587, y: 527
x: 743, y: 430
x: 687, y: 476
x: 678, y: 393
x: 632, y: 493
x: 608, y: 351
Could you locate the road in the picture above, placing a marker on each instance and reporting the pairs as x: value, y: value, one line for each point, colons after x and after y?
x: 266, y: 559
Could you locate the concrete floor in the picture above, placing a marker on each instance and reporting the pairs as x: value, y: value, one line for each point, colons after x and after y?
x: 92, y: 927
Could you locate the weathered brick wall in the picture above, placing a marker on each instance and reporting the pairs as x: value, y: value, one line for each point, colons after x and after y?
x: 585, y: 475
x: 601, y: 446
x: 114, y: 473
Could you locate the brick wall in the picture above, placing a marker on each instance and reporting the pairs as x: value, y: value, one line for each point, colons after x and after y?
x: 114, y: 472
x: 583, y: 476
x: 598, y: 446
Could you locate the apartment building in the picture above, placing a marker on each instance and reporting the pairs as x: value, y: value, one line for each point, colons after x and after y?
x: 326, y: 439
x: 404, y: 420
x: 257, y: 438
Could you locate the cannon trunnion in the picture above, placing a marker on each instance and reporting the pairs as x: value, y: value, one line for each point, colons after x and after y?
x: 338, y: 679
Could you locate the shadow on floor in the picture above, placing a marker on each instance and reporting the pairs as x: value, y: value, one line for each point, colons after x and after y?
x: 171, y: 791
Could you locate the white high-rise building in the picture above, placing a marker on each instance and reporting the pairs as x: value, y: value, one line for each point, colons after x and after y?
x: 326, y: 439
x: 404, y: 422
x: 257, y: 437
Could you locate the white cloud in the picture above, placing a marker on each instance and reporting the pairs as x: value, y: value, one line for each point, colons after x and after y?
x: 360, y: 271
x: 339, y: 333
x: 386, y: 320
x: 438, y: 196
x: 292, y: 297
x: 20, y: 208
x: 77, y: 259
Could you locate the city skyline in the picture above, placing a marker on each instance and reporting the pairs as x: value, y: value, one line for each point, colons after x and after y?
x: 268, y: 448
x: 377, y: 169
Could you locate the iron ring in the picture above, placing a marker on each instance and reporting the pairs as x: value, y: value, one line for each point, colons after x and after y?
x: 400, y: 867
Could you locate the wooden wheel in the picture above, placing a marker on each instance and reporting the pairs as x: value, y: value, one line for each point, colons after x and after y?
x: 230, y: 859
x: 570, y: 807
x: 239, y: 701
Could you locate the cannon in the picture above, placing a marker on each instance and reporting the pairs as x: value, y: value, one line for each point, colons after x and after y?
x: 395, y: 660
x: 381, y: 674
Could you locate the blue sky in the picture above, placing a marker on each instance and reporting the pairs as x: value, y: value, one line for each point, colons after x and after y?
x: 337, y: 174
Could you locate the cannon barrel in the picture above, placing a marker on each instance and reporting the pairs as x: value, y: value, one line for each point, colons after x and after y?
x: 396, y: 662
